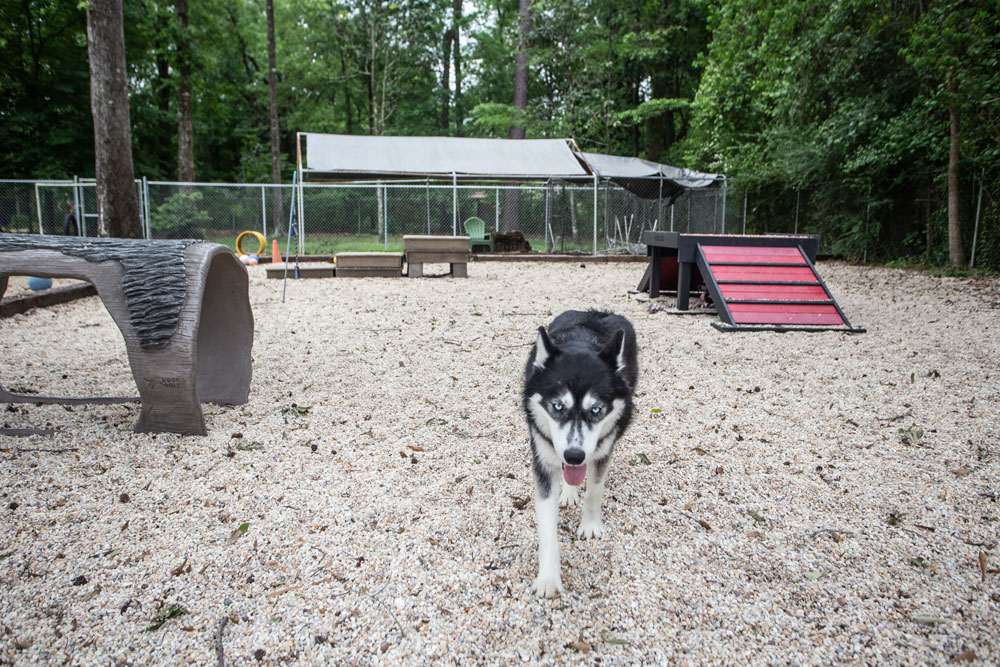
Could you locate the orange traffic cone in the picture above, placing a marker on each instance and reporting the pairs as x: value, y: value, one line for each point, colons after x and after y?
x: 275, y: 255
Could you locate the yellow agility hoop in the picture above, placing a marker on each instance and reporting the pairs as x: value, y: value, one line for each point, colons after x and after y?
x: 262, y: 243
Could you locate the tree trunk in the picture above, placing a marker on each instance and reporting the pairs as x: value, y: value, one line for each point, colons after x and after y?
x: 655, y: 130
x: 277, y: 210
x: 521, y: 68
x: 457, y: 53
x: 347, y: 94
x: 185, y: 125
x: 446, y: 81
x: 162, y: 86
x: 956, y: 254
x: 512, y: 195
x: 117, y: 204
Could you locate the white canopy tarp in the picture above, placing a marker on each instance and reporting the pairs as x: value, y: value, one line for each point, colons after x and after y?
x: 347, y: 156
x: 615, y: 167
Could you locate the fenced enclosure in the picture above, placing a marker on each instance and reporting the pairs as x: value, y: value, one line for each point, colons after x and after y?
x: 861, y: 222
x: 556, y: 216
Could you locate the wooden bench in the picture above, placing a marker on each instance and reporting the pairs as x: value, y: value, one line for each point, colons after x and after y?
x: 452, y: 250
x: 369, y: 264
x: 183, y: 308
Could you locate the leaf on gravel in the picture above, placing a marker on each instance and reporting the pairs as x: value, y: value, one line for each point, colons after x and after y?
x: 961, y: 472
x: 756, y: 516
x: 755, y: 534
x: 967, y: 655
x: 704, y: 524
x: 580, y: 646
x: 911, y: 436
x: 931, y: 620
x: 520, y: 502
x: 917, y: 561
x: 982, y: 564
x: 608, y: 639
x: 179, y: 570
x: 644, y: 459
x: 165, y: 614
x: 436, y: 421
x: 655, y: 411
x: 297, y: 409
x: 238, y: 533
x: 813, y: 575
x: 699, y: 450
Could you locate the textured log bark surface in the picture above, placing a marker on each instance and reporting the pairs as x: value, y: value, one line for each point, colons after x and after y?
x: 154, y: 278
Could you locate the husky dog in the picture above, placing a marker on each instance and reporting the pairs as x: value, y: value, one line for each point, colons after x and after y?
x: 577, y: 398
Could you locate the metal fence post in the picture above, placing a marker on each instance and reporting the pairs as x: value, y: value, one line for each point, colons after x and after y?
x: 81, y: 229
x: 263, y: 211
x: 595, y: 215
x: 149, y: 214
x: 38, y: 210
x: 454, y: 204
x: 979, y: 208
x: 724, y: 188
x: 745, y: 192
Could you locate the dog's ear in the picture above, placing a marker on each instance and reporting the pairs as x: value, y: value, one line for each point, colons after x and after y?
x: 544, y: 349
x: 613, y: 353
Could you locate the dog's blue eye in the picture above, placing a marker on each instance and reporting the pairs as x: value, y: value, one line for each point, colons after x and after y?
x: 557, y: 406
x: 597, y: 409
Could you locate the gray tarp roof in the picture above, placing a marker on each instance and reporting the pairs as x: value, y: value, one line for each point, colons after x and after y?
x: 340, y: 156
x: 649, y: 179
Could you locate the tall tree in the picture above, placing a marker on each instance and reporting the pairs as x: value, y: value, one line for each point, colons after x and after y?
x: 456, y: 33
x: 277, y: 212
x: 185, y: 122
x: 117, y: 204
x: 517, y: 130
x: 447, y: 41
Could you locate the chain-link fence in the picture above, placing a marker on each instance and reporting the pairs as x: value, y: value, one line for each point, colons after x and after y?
x: 553, y: 216
x: 855, y: 218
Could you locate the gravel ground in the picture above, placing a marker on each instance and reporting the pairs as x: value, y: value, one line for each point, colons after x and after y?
x: 780, y: 498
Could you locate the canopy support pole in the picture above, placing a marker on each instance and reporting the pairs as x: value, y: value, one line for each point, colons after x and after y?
x: 454, y: 204
x: 595, y: 215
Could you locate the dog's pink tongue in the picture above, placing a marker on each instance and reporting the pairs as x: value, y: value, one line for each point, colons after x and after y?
x: 574, y: 475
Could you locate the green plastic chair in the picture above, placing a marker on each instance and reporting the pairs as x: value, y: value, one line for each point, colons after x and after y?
x: 475, y: 229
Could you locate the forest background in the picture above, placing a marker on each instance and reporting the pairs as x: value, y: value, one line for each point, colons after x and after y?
x: 849, y: 113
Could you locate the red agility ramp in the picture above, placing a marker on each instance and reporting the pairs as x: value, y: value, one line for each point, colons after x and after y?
x: 773, y: 288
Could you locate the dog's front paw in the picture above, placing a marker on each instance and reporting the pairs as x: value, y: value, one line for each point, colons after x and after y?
x: 546, y: 586
x: 569, y: 496
x: 590, y: 529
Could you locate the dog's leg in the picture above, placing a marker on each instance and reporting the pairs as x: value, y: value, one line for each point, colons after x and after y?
x: 569, y: 496
x: 591, y: 524
x: 549, y: 579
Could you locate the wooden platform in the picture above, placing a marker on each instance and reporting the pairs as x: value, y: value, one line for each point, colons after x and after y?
x: 369, y: 264
x: 452, y: 250
x: 278, y: 271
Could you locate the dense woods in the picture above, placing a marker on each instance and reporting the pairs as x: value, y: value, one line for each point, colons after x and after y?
x: 875, y: 123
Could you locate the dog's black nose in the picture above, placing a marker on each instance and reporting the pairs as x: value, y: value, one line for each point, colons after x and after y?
x: 574, y: 457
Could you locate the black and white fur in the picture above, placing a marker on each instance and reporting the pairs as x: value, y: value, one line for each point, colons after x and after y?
x: 577, y: 398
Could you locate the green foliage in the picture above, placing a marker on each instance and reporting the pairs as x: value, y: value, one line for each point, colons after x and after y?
x: 836, y: 112
x: 181, y: 216
x: 832, y: 115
